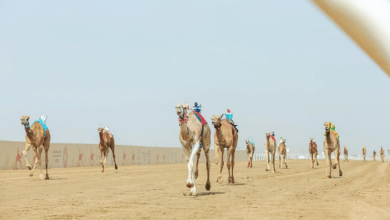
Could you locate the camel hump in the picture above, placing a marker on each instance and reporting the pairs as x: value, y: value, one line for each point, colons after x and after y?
x: 109, y: 134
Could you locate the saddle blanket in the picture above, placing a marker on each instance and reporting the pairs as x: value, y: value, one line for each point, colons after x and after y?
x: 200, y: 118
x: 44, y: 126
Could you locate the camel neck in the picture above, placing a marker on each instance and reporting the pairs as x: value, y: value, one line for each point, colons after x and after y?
x: 218, y: 132
x: 101, y: 136
x: 328, y: 139
x: 184, y: 131
x: 29, y: 132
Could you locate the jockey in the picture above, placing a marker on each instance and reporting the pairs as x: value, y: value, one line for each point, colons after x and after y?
x: 281, y: 140
x: 229, y: 116
x: 251, y: 141
x: 43, y: 118
x: 273, y: 133
x: 106, y: 129
x: 196, y: 107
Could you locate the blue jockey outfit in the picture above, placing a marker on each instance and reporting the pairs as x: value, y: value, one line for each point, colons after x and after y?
x: 229, y: 116
x: 250, y: 140
x: 197, y: 108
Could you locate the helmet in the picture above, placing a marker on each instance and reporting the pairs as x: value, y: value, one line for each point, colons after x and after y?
x: 228, y: 111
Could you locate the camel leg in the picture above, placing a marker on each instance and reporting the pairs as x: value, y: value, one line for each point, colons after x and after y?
x: 206, y: 153
x: 197, y: 163
x: 273, y: 162
x: 328, y: 170
x: 113, y: 153
x: 221, y: 151
x: 316, y: 158
x: 40, y: 161
x: 35, y: 162
x: 216, y: 149
x: 312, y: 160
x: 267, y: 159
x: 26, y: 148
x: 47, y: 162
x: 101, y: 158
x: 338, y: 160
x: 229, y: 163
x: 285, y: 160
x: 250, y: 159
x: 191, y: 167
x: 280, y: 160
x: 232, y: 154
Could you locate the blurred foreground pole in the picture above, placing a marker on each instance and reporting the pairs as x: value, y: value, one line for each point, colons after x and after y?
x: 367, y: 22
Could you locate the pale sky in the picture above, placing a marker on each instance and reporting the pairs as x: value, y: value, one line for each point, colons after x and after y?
x: 280, y: 66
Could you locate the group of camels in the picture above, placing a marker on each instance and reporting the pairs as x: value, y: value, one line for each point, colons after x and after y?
x: 38, y: 138
x: 381, y: 152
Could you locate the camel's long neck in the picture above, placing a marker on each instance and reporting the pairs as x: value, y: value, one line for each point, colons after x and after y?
x: 218, y: 132
x: 101, y: 137
x: 328, y: 138
x: 184, y: 132
x: 29, y: 132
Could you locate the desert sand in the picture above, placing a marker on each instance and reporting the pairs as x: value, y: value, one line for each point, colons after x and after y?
x: 159, y: 192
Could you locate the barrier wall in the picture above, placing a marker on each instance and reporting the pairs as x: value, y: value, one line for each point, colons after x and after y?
x: 83, y: 155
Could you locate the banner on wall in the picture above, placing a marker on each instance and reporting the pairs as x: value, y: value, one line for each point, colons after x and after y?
x: 63, y: 155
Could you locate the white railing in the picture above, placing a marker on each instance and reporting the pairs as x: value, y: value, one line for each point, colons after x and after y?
x: 260, y: 156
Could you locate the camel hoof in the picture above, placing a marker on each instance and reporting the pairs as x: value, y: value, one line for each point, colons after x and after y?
x: 196, y: 175
x: 41, y: 177
x: 327, y: 177
x: 231, y: 180
x: 190, y: 185
x: 29, y: 167
x: 266, y: 169
x: 31, y: 174
x: 47, y: 177
x: 215, y: 160
x: 340, y: 173
x: 334, y: 166
x: 219, y: 180
x: 116, y: 167
x: 208, y: 186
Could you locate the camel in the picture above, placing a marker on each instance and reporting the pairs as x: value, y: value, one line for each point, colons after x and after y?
x: 270, y: 150
x: 374, y: 154
x: 39, y: 140
x: 313, y: 152
x: 193, y: 137
x: 225, y: 136
x: 364, y: 151
x: 345, y: 153
x: 382, y: 153
x: 282, y: 152
x: 250, y: 150
x: 331, y: 143
x: 106, y: 143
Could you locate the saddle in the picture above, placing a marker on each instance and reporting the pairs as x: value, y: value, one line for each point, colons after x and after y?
x: 200, y: 117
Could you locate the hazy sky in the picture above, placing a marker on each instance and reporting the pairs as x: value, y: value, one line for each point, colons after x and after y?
x: 278, y: 65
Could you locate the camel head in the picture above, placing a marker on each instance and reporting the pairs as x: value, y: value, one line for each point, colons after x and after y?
x: 246, y: 141
x: 328, y: 126
x: 284, y: 141
x: 24, y: 120
x: 181, y: 110
x: 311, y: 140
x: 101, y: 129
x: 216, y: 121
x: 268, y: 134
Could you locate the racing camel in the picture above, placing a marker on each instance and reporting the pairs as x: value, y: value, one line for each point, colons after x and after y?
x: 37, y: 137
x: 194, y: 135
x: 270, y: 150
x: 313, y: 152
x: 250, y: 150
x: 345, y: 153
x: 106, y: 143
x: 225, y: 136
x: 331, y: 144
x: 282, y: 152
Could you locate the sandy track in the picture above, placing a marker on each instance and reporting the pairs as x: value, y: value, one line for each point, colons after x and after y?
x: 159, y: 192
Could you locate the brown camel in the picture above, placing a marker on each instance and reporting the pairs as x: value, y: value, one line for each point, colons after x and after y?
x: 193, y: 137
x: 106, y: 143
x: 345, y: 153
x: 313, y: 152
x: 225, y: 136
x: 270, y: 150
x: 282, y: 152
x: 36, y: 137
x: 331, y: 143
x: 374, y: 154
x: 250, y: 150
x: 364, y: 151
x: 382, y: 153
